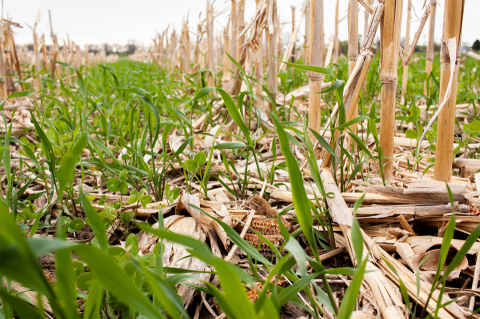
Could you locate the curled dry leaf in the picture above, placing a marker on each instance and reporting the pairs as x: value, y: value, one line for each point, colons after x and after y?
x: 174, y: 255
x: 223, y: 211
x: 193, y: 200
x: 254, y: 169
x: 222, y: 197
x: 362, y: 315
x: 176, y: 142
x: 40, y: 202
x: 147, y: 241
x: 204, y: 221
x: 431, y: 263
x: 207, y: 142
x: 85, y: 188
x: 261, y: 206
x: 397, y: 234
x: 156, y: 149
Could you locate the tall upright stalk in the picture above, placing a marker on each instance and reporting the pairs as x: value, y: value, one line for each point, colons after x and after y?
x: 173, y: 44
x: 431, y: 43
x: 259, y: 61
x: 197, y: 53
x: 36, y: 53
x: 357, y: 78
x: 55, y: 47
x: 336, y: 44
x: 407, y: 47
x: 240, y: 25
x: 391, y: 26
x: 311, y: 20
x: 211, y: 52
x: 317, y: 59
x: 452, y: 28
x: 272, y: 62
x: 366, y: 17
x: 291, y: 44
x: 293, y: 32
x: 3, y: 79
x: 331, y: 43
x: 233, y: 36
x: 306, y: 42
x: 353, y: 45
x: 186, y: 48
x: 226, y: 61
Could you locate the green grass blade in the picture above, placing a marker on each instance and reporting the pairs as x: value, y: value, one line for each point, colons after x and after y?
x: 352, y: 121
x: 67, y: 169
x: 18, y: 94
x: 95, y: 222
x: 324, y: 144
x: 21, y: 308
x: 235, y: 114
x: 114, y: 279
x: 300, y: 199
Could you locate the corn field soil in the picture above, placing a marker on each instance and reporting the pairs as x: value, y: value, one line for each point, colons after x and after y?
x: 133, y: 190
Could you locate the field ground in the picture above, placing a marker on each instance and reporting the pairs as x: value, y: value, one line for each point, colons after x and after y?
x: 134, y: 191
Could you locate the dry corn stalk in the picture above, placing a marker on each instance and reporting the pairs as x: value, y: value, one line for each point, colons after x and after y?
x: 452, y: 28
x: 272, y: 48
x: 36, y: 60
x: 367, y: 5
x: 78, y: 56
x: 11, y: 64
x: 3, y: 83
x: 353, y: 47
x: 416, y: 37
x: 356, y: 79
x: 55, y: 49
x: 186, y: 49
x: 352, y: 35
x: 289, y: 50
x: 293, y: 30
x: 253, y: 32
x: 306, y: 40
x: 383, y: 290
x: 198, y: 54
x: 315, y: 79
x: 366, y: 16
x: 240, y: 25
x: 258, y: 59
x: 211, y: 56
x: 311, y: 13
x: 233, y: 36
x: 226, y: 61
x: 335, y: 39
x: 409, y: 280
x: 153, y: 57
x: 431, y: 43
x: 390, y: 41
x: 328, y: 58
x: 252, y: 35
x: 407, y: 39
x: 173, y: 45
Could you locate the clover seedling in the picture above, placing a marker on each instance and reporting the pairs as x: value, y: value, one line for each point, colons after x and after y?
x: 142, y: 197
x: 114, y: 184
x: 472, y: 129
x: 72, y: 224
x: 171, y: 194
x: 103, y: 200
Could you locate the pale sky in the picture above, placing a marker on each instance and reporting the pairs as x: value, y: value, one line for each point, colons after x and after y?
x: 108, y: 21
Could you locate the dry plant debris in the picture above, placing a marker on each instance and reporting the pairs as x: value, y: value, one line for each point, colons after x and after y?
x: 140, y: 188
